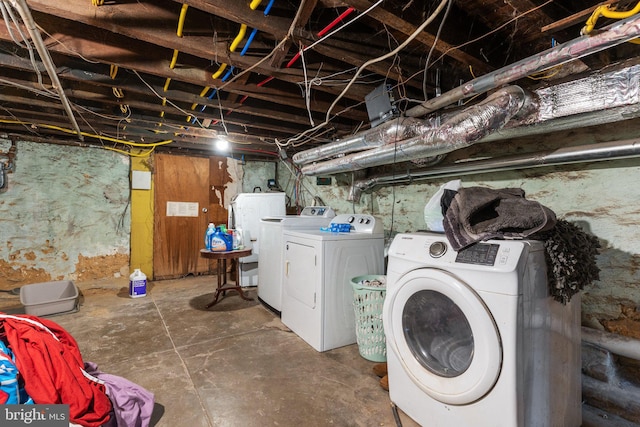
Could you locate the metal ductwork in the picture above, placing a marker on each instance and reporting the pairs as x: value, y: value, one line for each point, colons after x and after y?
x: 386, y: 133
x: 456, y: 132
x: 580, y: 154
x: 608, y: 37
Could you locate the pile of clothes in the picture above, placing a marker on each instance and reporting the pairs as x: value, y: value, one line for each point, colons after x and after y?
x: 476, y: 214
x: 41, y: 363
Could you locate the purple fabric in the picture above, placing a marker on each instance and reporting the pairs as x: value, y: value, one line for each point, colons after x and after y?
x: 132, y: 404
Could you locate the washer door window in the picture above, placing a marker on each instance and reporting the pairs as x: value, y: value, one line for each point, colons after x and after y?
x: 443, y: 335
x: 438, y: 333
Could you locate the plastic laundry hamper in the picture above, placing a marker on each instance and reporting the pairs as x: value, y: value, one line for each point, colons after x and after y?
x: 368, y: 293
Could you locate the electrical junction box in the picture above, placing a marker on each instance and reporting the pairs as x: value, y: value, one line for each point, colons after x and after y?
x: 323, y: 180
x: 379, y: 104
x: 141, y: 180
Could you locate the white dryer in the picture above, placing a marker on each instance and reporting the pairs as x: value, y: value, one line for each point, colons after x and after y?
x: 317, y: 302
x: 474, y: 339
x: 245, y: 211
x: 271, y: 257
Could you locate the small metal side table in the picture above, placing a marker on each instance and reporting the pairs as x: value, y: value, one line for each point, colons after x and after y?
x: 221, y: 258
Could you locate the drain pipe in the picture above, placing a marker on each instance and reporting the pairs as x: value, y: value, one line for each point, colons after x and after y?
x: 610, y: 36
x: 459, y: 131
x: 27, y: 19
x: 614, y: 150
x: 386, y: 133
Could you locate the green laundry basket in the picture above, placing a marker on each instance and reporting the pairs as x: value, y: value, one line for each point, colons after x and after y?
x: 368, y: 293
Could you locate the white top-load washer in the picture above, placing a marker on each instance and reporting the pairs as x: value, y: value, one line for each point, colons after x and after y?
x: 474, y: 338
x: 271, y: 257
x: 317, y: 302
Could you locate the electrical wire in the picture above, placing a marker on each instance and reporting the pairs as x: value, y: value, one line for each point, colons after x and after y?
x: 433, y: 46
x: 373, y: 61
x: 493, y: 31
x: 86, y: 134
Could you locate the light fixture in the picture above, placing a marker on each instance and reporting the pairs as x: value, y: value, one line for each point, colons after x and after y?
x: 222, y: 144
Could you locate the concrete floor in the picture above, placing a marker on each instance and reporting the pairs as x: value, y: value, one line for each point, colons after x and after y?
x: 234, y: 364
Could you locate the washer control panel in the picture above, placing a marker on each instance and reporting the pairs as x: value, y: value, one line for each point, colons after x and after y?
x: 319, y: 211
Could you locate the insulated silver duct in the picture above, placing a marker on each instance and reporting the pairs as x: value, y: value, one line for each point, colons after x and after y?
x: 386, y: 133
x: 610, y: 36
x: 459, y: 131
x: 562, y: 156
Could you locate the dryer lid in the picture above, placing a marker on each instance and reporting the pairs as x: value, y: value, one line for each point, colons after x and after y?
x: 443, y: 335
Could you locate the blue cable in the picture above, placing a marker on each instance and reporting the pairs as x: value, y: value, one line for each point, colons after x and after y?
x: 249, y: 40
x: 213, y: 93
x: 268, y: 8
x: 228, y: 74
x: 255, y: 30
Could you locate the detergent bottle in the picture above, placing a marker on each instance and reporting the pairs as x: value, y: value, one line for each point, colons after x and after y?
x: 208, y: 235
x: 137, y: 284
x: 219, y: 241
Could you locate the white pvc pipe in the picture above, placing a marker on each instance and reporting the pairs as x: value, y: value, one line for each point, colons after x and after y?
x: 616, y: 344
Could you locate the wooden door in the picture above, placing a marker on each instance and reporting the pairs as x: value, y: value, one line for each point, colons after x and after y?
x: 186, y: 200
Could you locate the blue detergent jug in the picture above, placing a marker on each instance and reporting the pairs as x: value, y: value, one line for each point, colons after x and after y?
x: 221, y: 241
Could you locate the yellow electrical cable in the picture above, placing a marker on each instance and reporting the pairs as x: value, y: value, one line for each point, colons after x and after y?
x: 254, y: 4
x: 124, y: 108
x: 97, y: 2
x: 129, y: 153
x: 89, y: 135
x: 219, y: 72
x: 608, y: 12
x: 471, y: 71
x: 183, y: 14
x: 166, y: 85
x: 232, y: 48
x: 113, y: 72
x: 174, y: 60
x: 118, y: 92
x: 239, y: 37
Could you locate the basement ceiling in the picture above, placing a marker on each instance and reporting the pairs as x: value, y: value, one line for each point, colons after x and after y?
x: 273, y: 76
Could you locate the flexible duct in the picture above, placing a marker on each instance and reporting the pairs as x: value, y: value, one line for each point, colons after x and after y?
x: 567, y: 155
x: 387, y: 133
x: 459, y: 131
x: 610, y: 36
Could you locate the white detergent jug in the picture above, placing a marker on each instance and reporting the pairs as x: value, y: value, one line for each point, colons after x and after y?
x: 137, y: 284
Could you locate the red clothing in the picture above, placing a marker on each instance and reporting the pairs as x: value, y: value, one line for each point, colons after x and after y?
x: 50, y: 362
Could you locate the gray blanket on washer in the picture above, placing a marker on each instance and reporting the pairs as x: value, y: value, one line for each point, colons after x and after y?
x: 478, y: 213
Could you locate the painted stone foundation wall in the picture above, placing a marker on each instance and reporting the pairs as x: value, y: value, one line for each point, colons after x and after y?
x: 601, y: 198
x: 65, y: 215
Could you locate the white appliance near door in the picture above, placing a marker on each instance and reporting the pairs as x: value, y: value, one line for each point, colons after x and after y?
x: 245, y: 211
x: 271, y: 257
x: 317, y: 303
x: 474, y: 339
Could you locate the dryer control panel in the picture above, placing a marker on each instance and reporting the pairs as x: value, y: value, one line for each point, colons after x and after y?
x: 479, y: 254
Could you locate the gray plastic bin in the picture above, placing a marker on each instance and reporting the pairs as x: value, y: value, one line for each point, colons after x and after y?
x: 41, y: 299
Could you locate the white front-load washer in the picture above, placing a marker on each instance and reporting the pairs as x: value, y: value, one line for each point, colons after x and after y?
x: 317, y: 302
x: 271, y: 257
x: 474, y: 339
